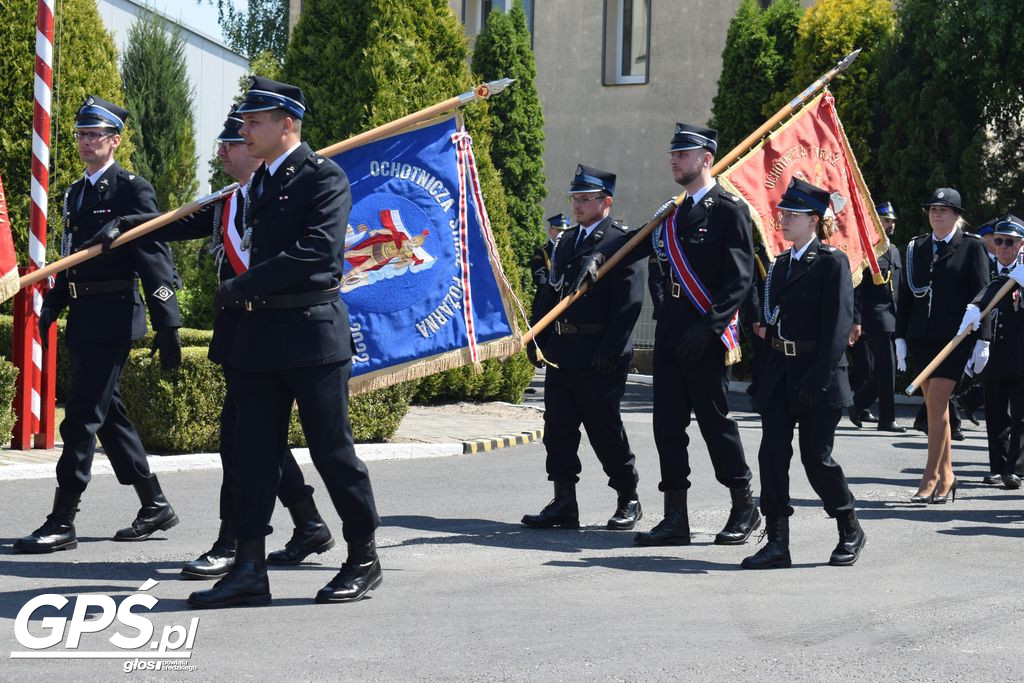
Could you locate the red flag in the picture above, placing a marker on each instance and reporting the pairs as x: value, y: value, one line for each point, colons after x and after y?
x: 813, y: 146
x: 8, y: 259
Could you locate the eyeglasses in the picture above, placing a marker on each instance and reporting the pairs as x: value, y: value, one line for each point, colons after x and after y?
x: 91, y: 136
x: 1007, y: 242
x: 577, y: 199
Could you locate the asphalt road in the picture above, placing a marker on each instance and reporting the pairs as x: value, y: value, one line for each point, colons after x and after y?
x: 469, y: 594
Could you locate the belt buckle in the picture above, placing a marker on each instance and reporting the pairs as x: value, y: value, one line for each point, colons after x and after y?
x: 789, y: 347
x: 676, y: 289
x: 72, y: 290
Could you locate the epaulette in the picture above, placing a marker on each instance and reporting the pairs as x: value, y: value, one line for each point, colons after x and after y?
x: 316, y: 159
x: 827, y: 247
x: 620, y: 226
x: 730, y: 196
x: 974, y: 235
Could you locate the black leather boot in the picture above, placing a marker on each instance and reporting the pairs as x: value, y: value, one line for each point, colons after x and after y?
x: 57, y: 532
x: 156, y: 514
x: 218, y: 560
x: 743, y: 518
x: 311, y: 535
x: 775, y: 553
x: 627, y: 512
x: 245, y: 584
x: 359, y: 575
x: 562, y: 511
x: 675, y: 528
x: 851, y: 540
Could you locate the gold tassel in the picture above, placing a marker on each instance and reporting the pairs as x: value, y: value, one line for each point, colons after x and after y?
x: 733, y: 356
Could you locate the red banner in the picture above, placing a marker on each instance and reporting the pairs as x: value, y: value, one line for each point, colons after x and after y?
x: 813, y: 146
x: 8, y: 259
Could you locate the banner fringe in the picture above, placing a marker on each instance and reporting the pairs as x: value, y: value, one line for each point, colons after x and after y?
x: 9, y: 284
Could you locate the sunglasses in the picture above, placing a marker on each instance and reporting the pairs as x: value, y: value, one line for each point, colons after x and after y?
x: 1007, y: 242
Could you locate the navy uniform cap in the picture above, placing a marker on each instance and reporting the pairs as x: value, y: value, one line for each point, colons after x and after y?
x: 886, y: 210
x: 265, y: 94
x: 945, y: 196
x: 987, y: 228
x: 231, y: 127
x: 588, y: 179
x: 694, y: 137
x: 1010, y: 225
x: 97, y: 112
x: 803, y: 197
x: 559, y: 221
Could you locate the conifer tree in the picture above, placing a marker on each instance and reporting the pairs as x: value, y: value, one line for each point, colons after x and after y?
x: 503, y: 51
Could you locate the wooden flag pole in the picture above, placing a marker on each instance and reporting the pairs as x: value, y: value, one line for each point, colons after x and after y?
x: 482, y: 91
x: 955, y: 341
x: 721, y: 165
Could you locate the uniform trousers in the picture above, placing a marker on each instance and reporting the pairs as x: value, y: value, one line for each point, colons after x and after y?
x: 881, y: 380
x: 264, y: 403
x: 94, y: 410
x: 575, y: 397
x: 293, y: 486
x: 1004, y: 422
x: 817, y: 436
x: 682, y: 387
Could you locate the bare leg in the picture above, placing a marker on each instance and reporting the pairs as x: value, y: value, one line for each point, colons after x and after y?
x: 939, y: 469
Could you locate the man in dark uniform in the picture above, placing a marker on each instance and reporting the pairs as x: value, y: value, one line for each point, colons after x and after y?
x: 590, y: 348
x: 221, y: 223
x: 106, y: 315
x: 706, y: 251
x: 292, y: 344
x: 1004, y: 373
x: 540, y: 262
x: 875, y: 309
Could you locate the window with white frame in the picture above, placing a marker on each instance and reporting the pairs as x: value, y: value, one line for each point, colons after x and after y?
x: 627, y: 41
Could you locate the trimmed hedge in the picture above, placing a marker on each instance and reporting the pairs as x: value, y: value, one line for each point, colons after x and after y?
x: 495, y: 381
x: 8, y: 377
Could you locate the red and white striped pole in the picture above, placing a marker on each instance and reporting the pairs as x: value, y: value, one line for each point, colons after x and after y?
x: 30, y: 385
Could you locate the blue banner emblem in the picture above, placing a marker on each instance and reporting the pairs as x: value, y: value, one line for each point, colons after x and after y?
x: 422, y: 281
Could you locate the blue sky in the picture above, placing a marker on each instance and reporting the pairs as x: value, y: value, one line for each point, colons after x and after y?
x: 201, y: 17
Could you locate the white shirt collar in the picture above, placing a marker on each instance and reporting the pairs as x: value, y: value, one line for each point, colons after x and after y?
x: 797, y: 255
x: 276, y: 164
x: 585, y: 230
x: 699, y: 194
x: 945, y: 239
x: 94, y: 178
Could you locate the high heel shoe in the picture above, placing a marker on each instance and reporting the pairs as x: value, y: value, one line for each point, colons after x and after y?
x: 926, y: 500
x: 950, y: 494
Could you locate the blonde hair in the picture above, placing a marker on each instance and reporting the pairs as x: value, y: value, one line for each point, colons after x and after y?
x: 961, y: 224
x: 826, y: 227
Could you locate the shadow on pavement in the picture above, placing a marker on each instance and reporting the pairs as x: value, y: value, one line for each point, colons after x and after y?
x: 655, y: 563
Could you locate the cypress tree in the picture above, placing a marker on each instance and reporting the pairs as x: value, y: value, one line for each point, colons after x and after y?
x: 159, y: 97
x: 503, y: 51
x: 85, y: 62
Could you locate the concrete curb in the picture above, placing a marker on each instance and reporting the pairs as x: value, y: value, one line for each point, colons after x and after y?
x: 486, y: 445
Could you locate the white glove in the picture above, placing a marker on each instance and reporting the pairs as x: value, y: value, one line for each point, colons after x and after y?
x: 901, y: 355
x: 1017, y: 274
x: 979, y: 359
x: 971, y: 320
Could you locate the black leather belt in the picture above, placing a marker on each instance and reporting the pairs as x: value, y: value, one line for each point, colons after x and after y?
x: 80, y: 289
x: 301, y: 300
x: 562, y: 327
x: 793, y: 348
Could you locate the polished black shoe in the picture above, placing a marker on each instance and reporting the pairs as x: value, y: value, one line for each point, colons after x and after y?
x: 156, y: 514
x: 854, y: 414
x: 1011, y: 481
x: 311, y: 535
x: 359, y: 575
x: 891, y: 427
x: 965, y: 409
x: 743, y: 518
x: 956, y: 434
x: 867, y: 416
x: 993, y: 479
x: 245, y: 584
x: 775, y: 553
x: 57, y: 532
x: 218, y: 560
x: 562, y: 511
x: 950, y: 495
x: 627, y: 512
x: 851, y: 540
x: 674, y: 529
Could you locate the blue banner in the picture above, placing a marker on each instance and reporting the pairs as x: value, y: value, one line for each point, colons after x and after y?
x: 422, y: 280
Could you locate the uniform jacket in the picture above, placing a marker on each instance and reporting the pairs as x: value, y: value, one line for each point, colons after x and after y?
x: 956, y: 278
x: 716, y: 236
x: 114, y: 316
x: 875, y: 305
x: 613, y: 302
x: 1006, y: 353
x: 298, y: 237
x: 815, y: 305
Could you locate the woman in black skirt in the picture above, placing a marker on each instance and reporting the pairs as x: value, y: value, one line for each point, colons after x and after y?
x: 944, y: 270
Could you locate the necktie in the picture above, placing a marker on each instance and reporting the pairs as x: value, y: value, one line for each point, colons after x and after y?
x: 88, y: 195
x: 1004, y: 270
x: 789, y: 269
x: 582, y: 237
x: 687, y: 205
x: 941, y: 248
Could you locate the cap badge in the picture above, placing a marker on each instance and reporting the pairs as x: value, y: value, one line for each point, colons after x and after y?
x: 940, y: 195
x: 579, y: 170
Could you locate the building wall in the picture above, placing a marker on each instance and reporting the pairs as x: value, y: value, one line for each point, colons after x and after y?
x: 214, y: 71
